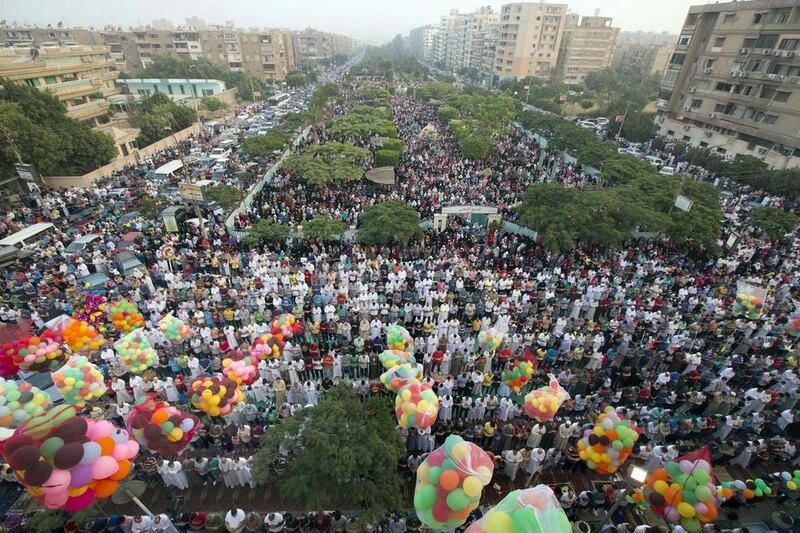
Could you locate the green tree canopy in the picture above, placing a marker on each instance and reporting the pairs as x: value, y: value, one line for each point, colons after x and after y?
x: 332, y: 161
x: 264, y: 145
x: 226, y: 196
x: 622, y: 169
x: 155, y: 113
x: 323, y: 228
x: 775, y: 222
x: 389, y: 223
x: 340, y: 450
x: 319, y: 100
x: 298, y: 78
x: 363, y: 121
x: 264, y: 230
x: 34, y: 125
x: 387, y: 158
x: 213, y: 104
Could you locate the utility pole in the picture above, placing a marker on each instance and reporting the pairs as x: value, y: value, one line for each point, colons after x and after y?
x: 621, y: 124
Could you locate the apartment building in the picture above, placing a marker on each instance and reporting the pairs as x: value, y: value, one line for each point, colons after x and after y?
x: 587, y: 46
x: 80, y: 76
x: 732, y: 84
x: 268, y: 55
x: 420, y: 41
x: 644, y: 52
x: 529, y: 40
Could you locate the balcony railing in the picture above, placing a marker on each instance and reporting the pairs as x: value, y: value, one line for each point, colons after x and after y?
x: 73, y: 89
x: 88, y: 110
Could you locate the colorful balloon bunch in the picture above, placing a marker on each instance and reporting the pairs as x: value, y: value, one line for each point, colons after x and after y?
x: 241, y: 370
x: 91, y: 308
x: 684, y: 491
x: 285, y: 326
x: 792, y: 480
x: 68, y: 462
x: 749, y: 300
x: 793, y: 326
x: 490, y: 339
x: 268, y: 346
x: 174, y: 329
x: 751, y: 488
x: 81, y: 337
x: 7, y: 366
x: 19, y: 402
x: 398, y: 338
x: 135, y: 352
x: 215, y: 395
x: 79, y: 381
x: 609, y: 444
x: 517, y: 375
x: 450, y: 482
x: 416, y: 406
x: 392, y: 358
x: 160, y: 427
x: 37, y: 353
x: 125, y: 316
x: 544, y: 402
x: 399, y: 376
x: 534, y: 510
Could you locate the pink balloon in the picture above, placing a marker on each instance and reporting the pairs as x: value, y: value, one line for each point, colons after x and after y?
x: 56, y: 500
x: 104, y: 467
x: 701, y: 508
x: 80, y: 475
x: 78, y: 503
x: 133, y: 449
x: 672, y: 514
x: 685, y: 466
x: 57, y: 482
x: 99, y: 428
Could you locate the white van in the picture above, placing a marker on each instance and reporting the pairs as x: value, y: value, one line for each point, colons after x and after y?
x: 30, y: 237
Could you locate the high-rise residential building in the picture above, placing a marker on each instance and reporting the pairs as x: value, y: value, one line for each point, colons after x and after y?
x: 644, y: 52
x: 587, y: 46
x: 264, y: 54
x: 733, y: 81
x: 163, y: 24
x: 480, y: 25
x: 420, y: 41
x: 80, y: 76
x: 529, y: 40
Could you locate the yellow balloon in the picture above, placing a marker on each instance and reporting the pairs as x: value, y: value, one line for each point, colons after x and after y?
x: 472, y: 486
x: 498, y: 522
x: 686, y: 510
x: 459, y: 451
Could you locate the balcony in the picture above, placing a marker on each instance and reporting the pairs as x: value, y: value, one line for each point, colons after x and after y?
x: 661, y: 103
x: 88, y: 110
x: 73, y: 89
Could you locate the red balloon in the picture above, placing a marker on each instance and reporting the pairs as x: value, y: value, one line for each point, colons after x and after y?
x: 441, y: 512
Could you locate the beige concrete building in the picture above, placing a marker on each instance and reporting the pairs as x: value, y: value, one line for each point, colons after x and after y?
x: 587, y: 46
x: 644, y: 52
x: 733, y: 81
x: 529, y: 40
x: 268, y: 54
x: 80, y: 76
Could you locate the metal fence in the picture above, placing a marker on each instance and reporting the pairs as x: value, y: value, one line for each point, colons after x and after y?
x: 248, y: 200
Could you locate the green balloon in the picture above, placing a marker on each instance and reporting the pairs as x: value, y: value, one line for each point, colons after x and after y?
x: 167, y: 426
x: 558, y: 518
x: 692, y: 525
x: 51, y: 446
x: 451, y: 441
x: 617, y: 445
x: 688, y: 496
x: 434, y: 473
x: 524, y: 520
x: 673, y: 469
x: 424, y: 498
x: 703, y: 493
x: 427, y: 518
x: 691, y: 483
x: 412, y: 421
x: 701, y: 476
x: 12, y: 396
x: 457, y: 499
x: 448, y: 464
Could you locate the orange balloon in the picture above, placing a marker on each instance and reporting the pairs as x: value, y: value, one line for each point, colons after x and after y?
x: 611, y: 434
x: 159, y: 417
x: 106, y: 445
x: 672, y: 496
x: 749, y: 494
x: 710, y: 515
x: 124, y: 470
x: 105, y: 488
x: 463, y: 514
x: 449, y: 480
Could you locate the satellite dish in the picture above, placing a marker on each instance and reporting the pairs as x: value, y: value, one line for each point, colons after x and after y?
x: 128, y: 490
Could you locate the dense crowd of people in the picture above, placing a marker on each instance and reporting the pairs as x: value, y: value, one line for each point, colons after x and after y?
x: 649, y: 329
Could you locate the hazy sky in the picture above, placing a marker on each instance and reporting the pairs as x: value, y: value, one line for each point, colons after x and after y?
x: 372, y: 21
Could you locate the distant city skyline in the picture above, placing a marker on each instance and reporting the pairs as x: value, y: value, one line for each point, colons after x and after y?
x: 366, y: 20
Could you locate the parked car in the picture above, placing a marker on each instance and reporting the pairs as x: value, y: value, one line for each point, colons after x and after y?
x: 667, y: 171
x: 655, y: 161
x: 128, y: 262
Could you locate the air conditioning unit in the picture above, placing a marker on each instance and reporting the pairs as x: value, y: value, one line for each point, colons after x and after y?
x: 772, y: 76
x: 712, y: 115
x: 743, y: 74
x: 789, y: 54
x: 708, y: 133
x: 777, y: 52
x: 708, y: 70
x: 735, y: 74
x: 762, y: 151
x: 692, y: 89
x: 767, y: 52
x: 744, y: 51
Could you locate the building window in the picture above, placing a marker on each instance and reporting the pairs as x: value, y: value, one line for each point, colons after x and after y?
x: 782, y: 96
x: 32, y: 82
x: 719, y: 108
x: 169, y: 89
x: 730, y: 18
x: 722, y: 86
x: 697, y: 102
x: 208, y: 92
x: 684, y: 40
x: 718, y: 42
x: 710, y: 62
x: 50, y: 80
x: 758, y: 18
x: 766, y: 41
x: 783, y: 17
x: 789, y: 44
x: 691, y: 19
x: 677, y: 59
x: 770, y: 119
x: 749, y: 43
x: 767, y: 92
